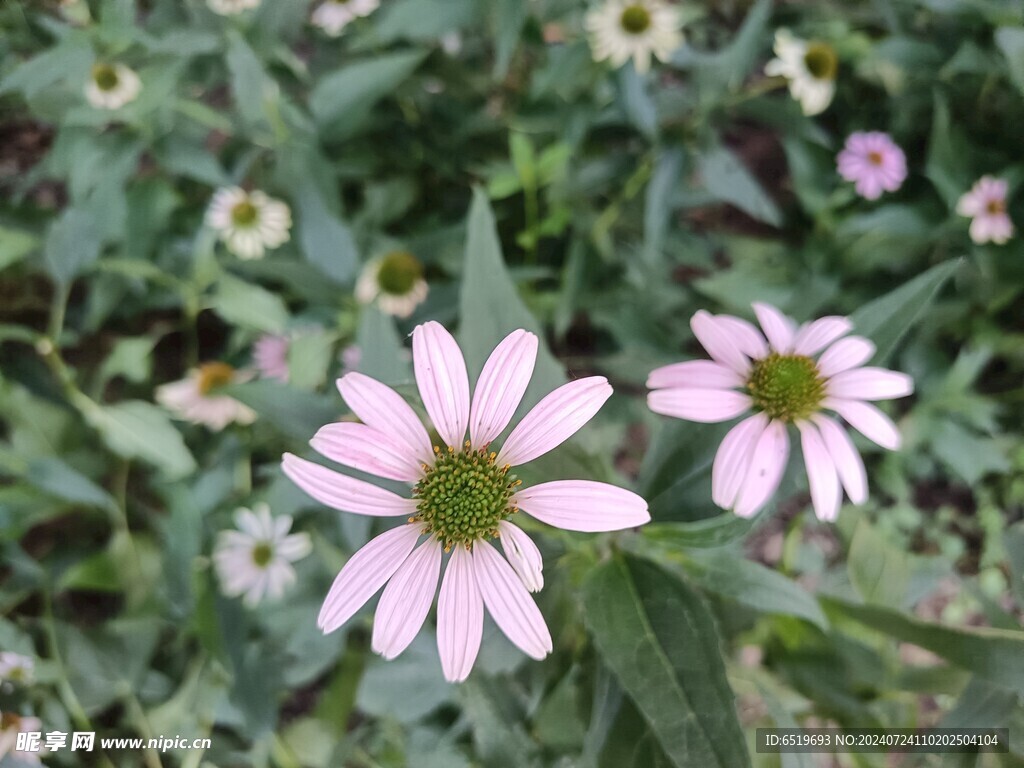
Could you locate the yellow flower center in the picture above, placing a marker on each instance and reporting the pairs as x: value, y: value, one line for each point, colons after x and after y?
x: 464, y: 496
x: 875, y: 158
x: 995, y: 207
x: 399, y: 272
x: 105, y: 77
x: 635, y: 19
x: 244, y: 214
x: 262, y: 554
x: 214, y: 375
x: 821, y: 61
x: 786, y: 387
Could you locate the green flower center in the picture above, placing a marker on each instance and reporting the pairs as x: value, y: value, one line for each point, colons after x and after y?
x: 821, y: 61
x: 786, y: 387
x: 214, y: 375
x: 244, y: 214
x: 635, y: 19
x: 262, y: 554
x: 105, y: 77
x: 399, y: 272
x: 464, y: 496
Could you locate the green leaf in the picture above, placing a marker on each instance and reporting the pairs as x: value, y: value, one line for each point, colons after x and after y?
x: 253, y: 90
x: 296, y: 413
x: 728, y: 180
x: 425, y: 19
x: 72, y: 244
x: 136, y: 429
x: 878, y: 571
x: 728, y: 68
x: 508, y: 18
x: 712, y: 532
x: 309, y: 356
x: 97, y: 572
x: 249, y: 305
x: 343, y: 98
x: 668, y: 172
x: 490, y: 307
x: 992, y: 654
x: 660, y: 641
x: 888, y: 318
x: 15, y: 245
x: 949, y: 154
x: 381, y: 353
x: 1010, y: 41
x: 54, y: 477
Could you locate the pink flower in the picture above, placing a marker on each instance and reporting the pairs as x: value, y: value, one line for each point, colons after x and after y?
x: 270, y: 356
x: 986, y: 205
x: 791, y: 377
x: 873, y: 162
x: 462, y: 496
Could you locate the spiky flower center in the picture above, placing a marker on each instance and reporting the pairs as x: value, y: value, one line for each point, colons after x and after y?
x: 995, y: 206
x: 821, y: 61
x: 635, y: 19
x: 262, y: 554
x: 399, y: 272
x: 786, y: 387
x: 244, y: 214
x: 105, y: 77
x: 214, y: 375
x: 464, y: 496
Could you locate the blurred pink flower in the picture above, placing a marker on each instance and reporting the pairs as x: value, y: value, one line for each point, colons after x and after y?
x: 873, y: 162
x: 791, y: 377
x: 986, y: 205
x: 270, y: 356
x: 462, y: 495
x: 196, y: 399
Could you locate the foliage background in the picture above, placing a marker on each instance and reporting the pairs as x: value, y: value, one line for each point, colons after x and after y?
x: 542, y: 190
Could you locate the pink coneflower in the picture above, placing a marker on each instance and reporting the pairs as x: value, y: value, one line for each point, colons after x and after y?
x: 790, y: 378
x: 270, y: 356
x: 986, y: 205
x: 873, y: 162
x: 463, y: 495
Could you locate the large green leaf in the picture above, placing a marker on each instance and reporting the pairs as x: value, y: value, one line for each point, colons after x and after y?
x: 15, y: 245
x: 296, y: 413
x: 381, y: 353
x: 342, y: 99
x: 710, y: 532
x: 1011, y: 42
x: 137, y: 429
x: 728, y: 180
x: 72, y: 244
x: 879, y: 571
x: 660, y: 641
x: 490, y: 307
x: 888, y: 318
x: 249, y: 305
x: 992, y: 654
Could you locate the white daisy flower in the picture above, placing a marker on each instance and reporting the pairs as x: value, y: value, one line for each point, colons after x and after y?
x: 332, y: 16
x: 195, y: 397
x: 16, y: 668
x: 111, y: 86
x: 637, y: 29
x: 810, y: 66
x: 256, y: 560
x: 394, y: 281
x: 231, y: 7
x: 248, y: 222
x: 10, y: 726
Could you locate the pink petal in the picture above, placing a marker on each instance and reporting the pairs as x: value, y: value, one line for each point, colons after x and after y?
x: 345, y: 493
x: 508, y: 602
x: 767, y: 464
x: 732, y: 460
x: 719, y: 341
x: 705, y: 405
x: 365, y: 573
x: 867, y: 420
x: 821, y: 473
x: 379, y: 406
x: 523, y: 555
x: 844, y: 355
x: 368, y: 450
x: 814, y: 337
x: 779, y: 329
x: 555, y: 419
x: 700, y: 374
x: 406, y: 600
x: 844, y: 455
x: 501, y: 386
x: 442, y: 380
x: 460, y: 617
x: 869, y: 384
x: 583, y: 505
x: 745, y: 336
